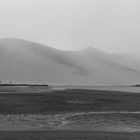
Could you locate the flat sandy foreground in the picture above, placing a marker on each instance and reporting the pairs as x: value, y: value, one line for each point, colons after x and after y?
x: 67, y: 135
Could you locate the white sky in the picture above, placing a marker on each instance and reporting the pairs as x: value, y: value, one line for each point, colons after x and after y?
x: 110, y: 25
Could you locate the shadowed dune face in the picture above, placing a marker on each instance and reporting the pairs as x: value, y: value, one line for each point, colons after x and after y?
x: 25, y: 61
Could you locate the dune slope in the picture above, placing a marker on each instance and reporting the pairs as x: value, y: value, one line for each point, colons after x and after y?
x: 24, y: 61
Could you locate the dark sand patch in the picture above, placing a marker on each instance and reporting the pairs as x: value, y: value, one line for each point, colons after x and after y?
x: 46, y: 102
x: 67, y: 135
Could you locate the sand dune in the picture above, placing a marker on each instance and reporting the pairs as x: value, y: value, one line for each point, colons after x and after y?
x: 24, y: 61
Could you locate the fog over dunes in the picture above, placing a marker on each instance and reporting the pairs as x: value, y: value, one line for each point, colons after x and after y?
x: 28, y: 62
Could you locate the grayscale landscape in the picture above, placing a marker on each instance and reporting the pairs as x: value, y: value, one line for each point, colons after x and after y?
x: 86, y: 90
x: 69, y: 70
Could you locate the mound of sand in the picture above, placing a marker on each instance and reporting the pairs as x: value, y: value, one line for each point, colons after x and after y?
x: 23, y: 61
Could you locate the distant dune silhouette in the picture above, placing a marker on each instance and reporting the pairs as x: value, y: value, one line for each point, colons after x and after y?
x: 28, y: 62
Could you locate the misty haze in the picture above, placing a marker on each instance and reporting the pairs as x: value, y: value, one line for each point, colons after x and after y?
x: 69, y: 69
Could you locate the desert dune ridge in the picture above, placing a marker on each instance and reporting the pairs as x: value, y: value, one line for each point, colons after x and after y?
x: 24, y: 61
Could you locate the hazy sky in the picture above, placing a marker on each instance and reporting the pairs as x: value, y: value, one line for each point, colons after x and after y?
x: 111, y: 25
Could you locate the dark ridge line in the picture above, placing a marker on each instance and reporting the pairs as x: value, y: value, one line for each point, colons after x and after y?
x: 24, y: 85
